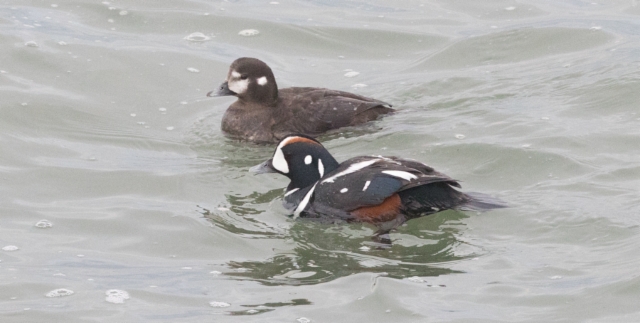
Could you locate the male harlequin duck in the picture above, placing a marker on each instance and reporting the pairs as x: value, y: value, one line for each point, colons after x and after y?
x: 264, y: 114
x: 383, y: 191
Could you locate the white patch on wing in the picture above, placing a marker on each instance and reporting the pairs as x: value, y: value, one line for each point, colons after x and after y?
x: 278, y: 162
x: 308, y: 159
x: 238, y: 86
x: 304, y: 202
x: 262, y: 80
x: 366, y: 185
x: 291, y: 192
x: 344, y: 190
x: 400, y: 174
x: 320, y: 167
x: 351, y: 169
x: 389, y: 159
x: 235, y: 74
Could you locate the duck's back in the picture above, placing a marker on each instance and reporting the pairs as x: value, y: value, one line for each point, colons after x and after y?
x: 314, y: 111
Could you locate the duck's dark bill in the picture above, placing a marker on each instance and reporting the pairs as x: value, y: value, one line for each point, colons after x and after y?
x: 263, y: 168
x: 223, y: 90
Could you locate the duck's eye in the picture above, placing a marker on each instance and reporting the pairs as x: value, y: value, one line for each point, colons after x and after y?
x: 244, y: 76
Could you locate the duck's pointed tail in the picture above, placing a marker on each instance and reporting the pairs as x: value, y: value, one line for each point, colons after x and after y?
x: 482, y: 202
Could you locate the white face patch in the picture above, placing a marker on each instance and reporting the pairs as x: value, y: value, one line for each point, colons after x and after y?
x: 238, y: 86
x: 304, y: 202
x: 262, y: 80
x: 278, y: 162
x: 366, y: 185
x: 308, y: 159
x: 351, y: 169
x: 400, y: 174
x: 344, y: 190
x: 320, y: 167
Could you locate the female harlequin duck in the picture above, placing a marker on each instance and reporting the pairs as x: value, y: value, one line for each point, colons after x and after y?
x: 384, y: 191
x: 264, y: 114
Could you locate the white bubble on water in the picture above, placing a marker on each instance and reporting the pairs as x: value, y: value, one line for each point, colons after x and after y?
x: 184, y: 102
x: 24, y: 104
x: 248, y: 32
x: 556, y: 277
x: 61, y: 43
x: 460, y: 136
x: 303, y: 320
x: 116, y: 296
x: 162, y: 109
x: 274, y: 2
x: 364, y: 248
x: 510, y: 8
x: 60, y: 292
x: 303, y: 274
x: 215, y: 272
x: 219, y: 304
x: 416, y: 279
x: 351, y: 74
x: 133, y: 114
x: 170, y: 128
x: 193, y: 70
x: 124, y: 13
x: 595, y: 28
x: 110, y: 20
x: 187, y: 268
x: 53, y: 5
x: 359, y: 85
x: 31, y: 44
x: 252, y: 311
x: 10, y: 248
x: 197, y: 37
x: 44, y: 224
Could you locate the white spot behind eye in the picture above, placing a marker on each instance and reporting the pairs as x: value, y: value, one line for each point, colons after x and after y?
x: 366, y: 185
x: 235, y: 74
x: 320, y: 167
x: 400, y: 174
x: 262, y: 80
x: 344, y: 190
x: 308, y: 160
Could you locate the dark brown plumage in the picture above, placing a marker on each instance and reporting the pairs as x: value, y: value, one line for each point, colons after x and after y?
x: 264, y: 114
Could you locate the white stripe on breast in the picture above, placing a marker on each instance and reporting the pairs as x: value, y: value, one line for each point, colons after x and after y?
x: 291, y: 192
x: 304, y: 202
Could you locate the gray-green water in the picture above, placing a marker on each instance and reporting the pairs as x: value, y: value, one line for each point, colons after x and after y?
x: 105, y: 132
